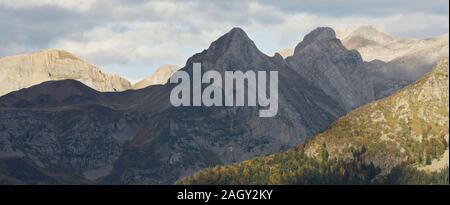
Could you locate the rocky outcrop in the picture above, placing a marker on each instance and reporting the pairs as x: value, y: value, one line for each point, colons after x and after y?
x: 22, y: 71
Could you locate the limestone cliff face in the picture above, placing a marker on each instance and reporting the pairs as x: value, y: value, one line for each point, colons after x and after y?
x: 22, y: 71
x: 160, y: 77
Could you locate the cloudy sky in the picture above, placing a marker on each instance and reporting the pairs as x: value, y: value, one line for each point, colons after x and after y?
x: 133, y: 37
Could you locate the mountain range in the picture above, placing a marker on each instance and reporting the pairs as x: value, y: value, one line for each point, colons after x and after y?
x: 400, y: 139
x: 77, y: 135
x: 407, y: 58
x: 26, y: 70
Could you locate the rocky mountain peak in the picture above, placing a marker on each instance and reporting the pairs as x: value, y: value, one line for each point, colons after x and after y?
x: 321, y: 33
x: 235, y: 41
x: 229, y: 52
x: 236, y: 37
x: 317, y: 35
x: 315, y: 58
x: 239, y: 32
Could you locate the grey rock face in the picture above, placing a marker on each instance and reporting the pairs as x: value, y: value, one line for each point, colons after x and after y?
x: 321, y: 58
x: 72, y: 142
x: 340, y: 73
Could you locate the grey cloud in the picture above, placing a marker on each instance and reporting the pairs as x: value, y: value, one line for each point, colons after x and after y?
x: 37, y: 27
x: 191, y: 23
x: 360, y: 7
